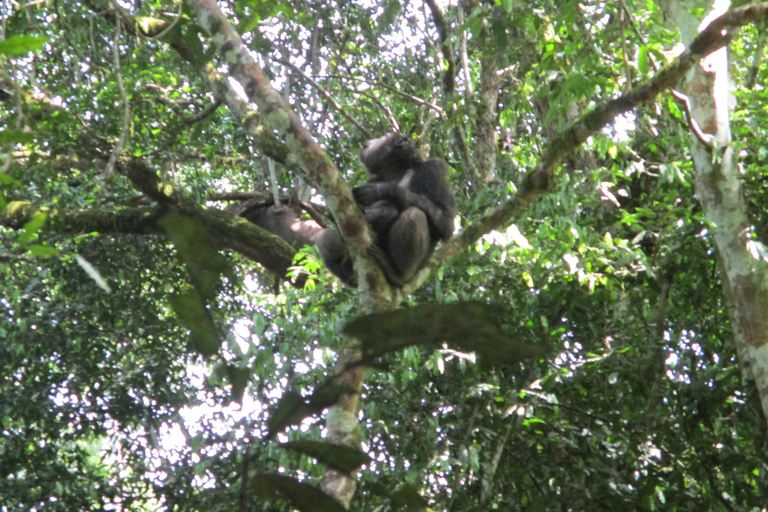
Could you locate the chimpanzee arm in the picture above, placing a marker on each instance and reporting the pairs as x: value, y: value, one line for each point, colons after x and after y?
x: 402, y: 198
x: 373, y: 191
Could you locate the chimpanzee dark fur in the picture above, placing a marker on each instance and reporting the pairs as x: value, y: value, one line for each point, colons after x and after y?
x: 408, y: 204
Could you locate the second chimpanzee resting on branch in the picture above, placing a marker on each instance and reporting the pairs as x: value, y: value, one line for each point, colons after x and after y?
x: 408, y: 204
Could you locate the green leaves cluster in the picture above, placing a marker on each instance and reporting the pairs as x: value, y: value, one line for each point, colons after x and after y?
x: 637, y: 402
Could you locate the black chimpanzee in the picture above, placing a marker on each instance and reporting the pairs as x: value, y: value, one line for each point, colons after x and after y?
x: 408, y: 204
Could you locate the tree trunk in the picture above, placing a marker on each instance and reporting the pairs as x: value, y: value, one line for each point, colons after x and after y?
x: 743, y: 261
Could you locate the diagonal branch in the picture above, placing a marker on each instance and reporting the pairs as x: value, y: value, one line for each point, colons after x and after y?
x: 339, y: 108
x: 445, y: 47
x: 308, y: 154
x: 540, y: 179
x: 253, y: 123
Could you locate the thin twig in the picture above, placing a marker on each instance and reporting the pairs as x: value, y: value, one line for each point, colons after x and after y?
x: 463, y: 50
x: 624, y: 48
x: 120, y: 144
x: 631, y: 20
x: 327, y: 95
x: 170, y: 26
x: 758, y: 57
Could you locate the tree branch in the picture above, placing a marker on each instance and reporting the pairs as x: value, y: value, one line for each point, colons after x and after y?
x: 445, y: 48
x: 310, y: 157
x: 253, y: 123
x: 339, y: 108
x: 135, y: 221
x: 540, y: 179
x: 229, y: 230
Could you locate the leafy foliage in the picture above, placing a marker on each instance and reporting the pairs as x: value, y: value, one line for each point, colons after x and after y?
x: 116, y: 399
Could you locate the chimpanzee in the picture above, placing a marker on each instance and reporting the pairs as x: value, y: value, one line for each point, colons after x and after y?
x: 283, y: 220
x: 408, y: 204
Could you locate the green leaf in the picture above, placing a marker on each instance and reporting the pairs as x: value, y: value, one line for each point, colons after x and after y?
x: 191, y: 38
x: 238, y: 377
x: 21, y: 45
x: 196, y: 249
x: 293, y: 408
x: 407, y: 496
x: 31, y: 228
x: 16, y: 136
x: 191, y: 310
x: 343, y: 458
x: 469, y: 326
x: 42, y: 251
x: 303, y: 496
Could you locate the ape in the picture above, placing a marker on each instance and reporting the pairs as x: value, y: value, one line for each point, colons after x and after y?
x: 408, y: 204
x: 283, y: 220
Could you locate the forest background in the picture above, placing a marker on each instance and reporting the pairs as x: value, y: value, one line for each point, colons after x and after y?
x: 158, y: 351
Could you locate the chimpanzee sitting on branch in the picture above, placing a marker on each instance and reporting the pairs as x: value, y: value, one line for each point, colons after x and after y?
x: 408, y: 204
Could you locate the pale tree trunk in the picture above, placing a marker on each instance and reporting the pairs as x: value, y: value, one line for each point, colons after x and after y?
x: 743, y: 261
x: 342, y: 426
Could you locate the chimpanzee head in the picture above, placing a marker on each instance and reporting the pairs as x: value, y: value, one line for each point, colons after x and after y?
x: 388, y: 158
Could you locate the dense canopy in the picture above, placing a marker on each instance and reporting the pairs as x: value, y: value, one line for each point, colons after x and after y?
x: 594, y: 336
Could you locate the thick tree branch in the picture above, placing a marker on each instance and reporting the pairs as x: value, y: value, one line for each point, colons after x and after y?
x: 316, y: 165
x: 254, y: 124
x: 342, y: 417
x: 239, y: 196
x: 136, y: 221
x: 230, y: 231
x: 227, y: 229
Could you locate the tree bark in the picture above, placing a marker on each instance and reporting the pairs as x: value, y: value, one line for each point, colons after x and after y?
x: 743, y: 261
